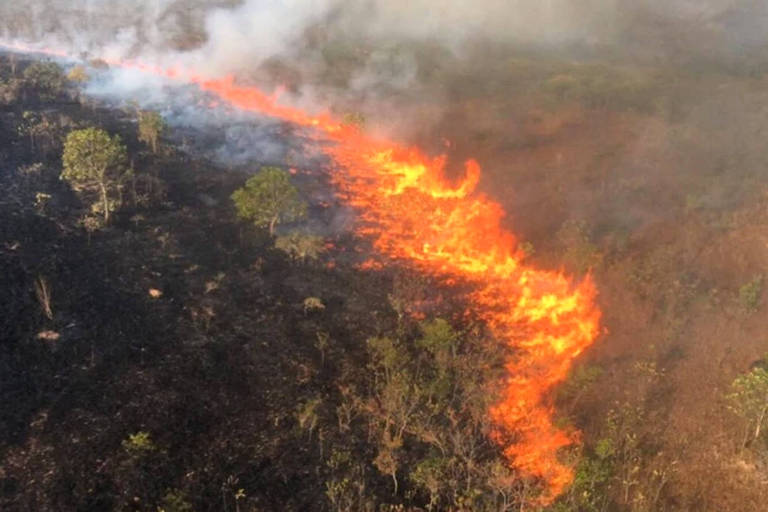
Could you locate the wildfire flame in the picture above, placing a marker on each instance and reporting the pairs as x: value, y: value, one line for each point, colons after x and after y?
x: 414, y: 214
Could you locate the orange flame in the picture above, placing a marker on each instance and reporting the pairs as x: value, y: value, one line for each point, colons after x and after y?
x: 414, y: 214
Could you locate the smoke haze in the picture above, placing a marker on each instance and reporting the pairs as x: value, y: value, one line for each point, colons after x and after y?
x: 221, y: 35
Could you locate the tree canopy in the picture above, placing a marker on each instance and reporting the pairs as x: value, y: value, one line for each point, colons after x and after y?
x: 78, y: 75
x: 749, y: 399
x: 46, y: 79
x: 151, y: 126
x: 93, y: 158
x: 269, y: 198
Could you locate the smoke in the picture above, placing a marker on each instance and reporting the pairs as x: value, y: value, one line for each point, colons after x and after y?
x: 222, y: 36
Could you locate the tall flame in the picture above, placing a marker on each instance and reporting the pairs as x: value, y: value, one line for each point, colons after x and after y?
x: 414, y: 214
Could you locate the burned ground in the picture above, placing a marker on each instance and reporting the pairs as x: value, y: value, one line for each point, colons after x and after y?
x: 213, y: 369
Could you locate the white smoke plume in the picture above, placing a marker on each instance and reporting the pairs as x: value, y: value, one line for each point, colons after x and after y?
x: 222, y: 36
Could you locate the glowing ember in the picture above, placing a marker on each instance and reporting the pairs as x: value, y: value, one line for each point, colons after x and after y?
x: 413, y: 213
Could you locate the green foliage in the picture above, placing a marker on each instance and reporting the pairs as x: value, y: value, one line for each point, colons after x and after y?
x: 749, y: 294
x: 579, y: 380
x: 622, y: 429
x: 46, y: 79
x: 612, y: 469
x: 10, y: 91
x: 346, y: 485
x: 354, y: 119
x: 385, y: 356
x: 592, y: 474
x: 269, y: 198
x: 659, y: 278
x: 429, y: 474
x: 580, y: 253
x: 600, y: 86
x: 93, y: 158
x: 588, y: 492
x: 428, y: 414
x: 78, y: 75
x: 441, y: 342
x: 151, y: 127
x: 605, y: 448
x: 175, y: 501
x: 528, y: 249
x: 307, y: 414
x: 313, y: 304
x: 91, y: 155
x: 91, y: 224
x: 41, y: 130
x: 749, y: 400
x: 300, y: 246
x: 41, y: 200
x: 139, y: 443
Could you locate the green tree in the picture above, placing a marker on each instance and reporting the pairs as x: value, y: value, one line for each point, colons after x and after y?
x: 151, y: 127
x: 427, y: 413
x: 93, y: 158
x: 46, y: 79
x: 78, y: 75
x: 356, y: 119
x: 174, y: 501
x: 749, y: 294
x: 10, y: 91
x: 139, y: 443
x: 269, y: 198
x: 589, y: 491
x: 301, y: 247
x: 580, y: 253
x: 41, y: 130
x: 749, y: 399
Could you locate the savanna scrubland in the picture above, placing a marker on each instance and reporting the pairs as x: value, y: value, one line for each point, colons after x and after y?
x: 173, y: 356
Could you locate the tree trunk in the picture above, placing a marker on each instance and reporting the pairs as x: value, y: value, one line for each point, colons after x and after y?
x: 272, y: 225
x: 155, y: 186
x: 760, y: 423
x: 105, y: 202
x: 133, y: 186
x: 120, y: 187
